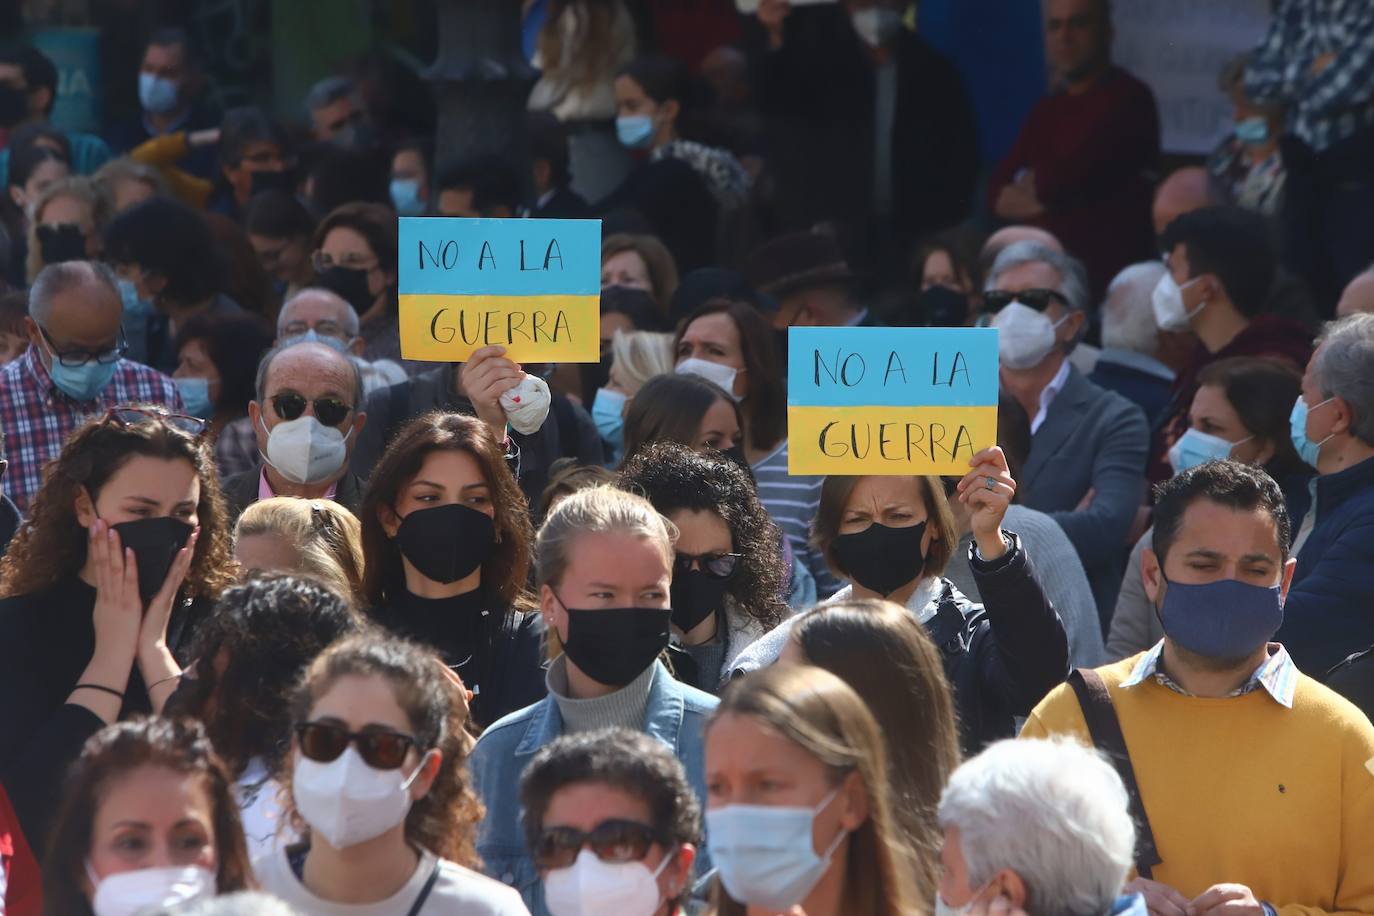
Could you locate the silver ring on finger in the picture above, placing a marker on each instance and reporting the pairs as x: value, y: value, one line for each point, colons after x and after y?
x: 992, y: 483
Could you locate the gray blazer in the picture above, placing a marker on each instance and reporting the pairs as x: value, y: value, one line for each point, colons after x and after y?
x: 1092, y: 439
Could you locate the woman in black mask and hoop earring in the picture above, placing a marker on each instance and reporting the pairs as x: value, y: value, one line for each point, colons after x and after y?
x: 446, y: 547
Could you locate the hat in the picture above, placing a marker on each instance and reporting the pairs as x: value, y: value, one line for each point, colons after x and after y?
x: 706, y: 283
x: 796, y: 261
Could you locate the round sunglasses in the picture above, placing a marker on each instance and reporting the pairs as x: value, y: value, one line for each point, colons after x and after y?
x: 324, y: 742
x: 610, y: 841
x: 329, y: 411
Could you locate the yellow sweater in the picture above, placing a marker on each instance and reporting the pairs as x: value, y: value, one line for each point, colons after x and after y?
x: 1242, y: 790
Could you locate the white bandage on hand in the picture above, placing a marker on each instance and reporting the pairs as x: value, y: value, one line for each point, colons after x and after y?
x: 527, y: 404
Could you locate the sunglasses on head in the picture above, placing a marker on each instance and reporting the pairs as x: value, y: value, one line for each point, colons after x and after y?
x: 1039, y: 299
x: 134, y: 416
x: 610, y: 841
x: 329, y: 411
x: 325, y: 741
x: 715, y: 565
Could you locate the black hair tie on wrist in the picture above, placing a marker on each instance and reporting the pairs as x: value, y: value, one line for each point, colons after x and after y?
x: 101, y: 687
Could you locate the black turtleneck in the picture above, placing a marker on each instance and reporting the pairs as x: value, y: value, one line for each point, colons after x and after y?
x: 453, y: 627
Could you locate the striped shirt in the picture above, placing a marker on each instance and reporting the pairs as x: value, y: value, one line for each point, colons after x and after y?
x: 1277, y: 675
x: 792, y: 502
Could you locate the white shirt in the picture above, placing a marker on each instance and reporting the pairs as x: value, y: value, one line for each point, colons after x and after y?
x: 260, y: 809
x: 1049, y: 394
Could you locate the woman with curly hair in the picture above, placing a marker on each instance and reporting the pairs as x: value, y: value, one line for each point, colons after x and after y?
x: 148, y: 821
x: 249, y: 656
x: 126, y: 549
x: 378, y: 784
x: 728, y: 568
x: 446, y: 554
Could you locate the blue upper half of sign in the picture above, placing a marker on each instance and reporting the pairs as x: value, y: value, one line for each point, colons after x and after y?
x: 499, y: 257
x: 892, y: 367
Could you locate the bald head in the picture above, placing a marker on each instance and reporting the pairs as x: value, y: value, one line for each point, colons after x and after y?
x: 77, y: 304
x: 1358, y: 295
x: 314, y: 370
x: 1182, y: 192
x: 322, y: 311
x: 1010, y: 235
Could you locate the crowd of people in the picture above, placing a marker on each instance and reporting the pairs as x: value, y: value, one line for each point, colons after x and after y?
x: 291, y: 623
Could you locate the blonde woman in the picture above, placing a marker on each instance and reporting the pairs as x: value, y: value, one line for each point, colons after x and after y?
x: 797, y: 807
x: 66, y: 220
x: 636, y: 357
x: 604, y: 568
x: 317, y: 537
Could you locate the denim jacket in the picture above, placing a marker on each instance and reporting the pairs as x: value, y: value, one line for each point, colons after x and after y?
x: 676, y: 715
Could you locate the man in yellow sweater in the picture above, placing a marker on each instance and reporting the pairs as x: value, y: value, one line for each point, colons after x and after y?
x: 1257, y: 782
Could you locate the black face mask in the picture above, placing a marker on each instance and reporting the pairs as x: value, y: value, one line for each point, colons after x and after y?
x: 274, y: 180
x: 613, y: 646
x: 881, y: 559
x: 446, y: 543
x: 351, y: 285
x: 696, y: 596
x: 14, y: 104
x: 63, y: 242
x: 939, y: 307
x: 155, y: 542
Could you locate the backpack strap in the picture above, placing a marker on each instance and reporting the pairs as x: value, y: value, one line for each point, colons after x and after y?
x: 1104, y: 727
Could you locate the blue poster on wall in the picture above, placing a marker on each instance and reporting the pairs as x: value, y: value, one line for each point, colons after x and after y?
x: 76, y: 52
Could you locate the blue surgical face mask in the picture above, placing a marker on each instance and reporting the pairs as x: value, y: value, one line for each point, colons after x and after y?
x: 608, y: 413
x: 1226, y: 620
x: 195, y: 394
x: 1195, y: 447
x: 80, y: 383
x: 405, y: 197
x: 764, y: 853
x: 1252, y: 130
x: 635, y: 131
x: 130, y: 299
x: 156, y: 94
x: 1308, y: 450
x: 313, y: 336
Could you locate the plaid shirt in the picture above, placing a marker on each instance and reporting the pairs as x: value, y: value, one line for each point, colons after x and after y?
x: 36, y: 418
x: 1336, y: 103
x: 1277, y: 675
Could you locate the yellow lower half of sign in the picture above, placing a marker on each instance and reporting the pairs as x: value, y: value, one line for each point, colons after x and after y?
x: 887, y: 440
x: 565, y: 329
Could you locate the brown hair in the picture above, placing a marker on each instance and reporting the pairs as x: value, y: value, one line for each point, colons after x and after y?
x: 765, y: 406
x: 835, y: 493
x: 179, y: 745
x: 657, y: 258
x: 1261, y: 390
x: 962, y: 246
x: 51, y: 548
x: 823, y: 716
x: 670, y: 408
x: 445, y: 820
x: 880, y: 650
x: 505, y: 571
x: 374, y: 222
x: 566, y: 477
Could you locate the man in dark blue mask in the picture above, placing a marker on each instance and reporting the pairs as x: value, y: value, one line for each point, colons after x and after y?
x: 1223, y: 743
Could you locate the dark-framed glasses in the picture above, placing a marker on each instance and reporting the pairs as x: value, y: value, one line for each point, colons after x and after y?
x: 715, y: 565
x: 329, y: 411
x: 133, y: 416
x: 994, y: 300
x: 611, y: 841
x: 77, y: 357
x: 380, y: 749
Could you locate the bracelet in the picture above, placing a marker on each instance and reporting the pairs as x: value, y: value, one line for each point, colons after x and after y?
x: 101, y: 687
x: 161, y: 681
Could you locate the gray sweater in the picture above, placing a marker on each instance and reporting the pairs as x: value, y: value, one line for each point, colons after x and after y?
x: 1135, y: 625
x: 1060, y: 574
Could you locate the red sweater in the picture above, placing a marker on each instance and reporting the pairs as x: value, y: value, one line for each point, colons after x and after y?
x: 23, y: 894
x: 1094, y: 155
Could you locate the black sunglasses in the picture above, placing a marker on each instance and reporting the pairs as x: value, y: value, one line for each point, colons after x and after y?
x: 329, y: 411
x: 381, y: 750
x: 611, y: 841
x: 715, y: 565
x: 133, y: 416
x: 994, y: 300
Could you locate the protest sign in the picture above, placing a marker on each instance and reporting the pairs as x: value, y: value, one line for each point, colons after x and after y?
x: 890, y: 400
x: 532, y: 286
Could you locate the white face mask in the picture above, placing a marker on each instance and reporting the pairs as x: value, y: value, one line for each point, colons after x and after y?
x: 1025, y: 336
x: 305, y: 451
x: 724, y: 376
x: 590, y: 886
x: 128, y: 892
x: 877, y: 25
x: 1167, y: 303
x: 347, y: 802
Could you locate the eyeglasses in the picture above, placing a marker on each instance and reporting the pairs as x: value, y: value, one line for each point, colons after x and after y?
x: 74, y: 358
x: 612, y: 841
x: 322, y: 328
x: 329, y: 411
x: 380, y: 749
x: 715, y: 565
x: 1039, y: 299
x: 133, y: 416
x: 351, y: 261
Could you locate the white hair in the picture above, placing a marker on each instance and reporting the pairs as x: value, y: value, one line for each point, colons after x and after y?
x: 349, y: 313
x: 1054, y: 812
x: 1073, y: 276
x: 1128, y: 318
x: 1344, y: 368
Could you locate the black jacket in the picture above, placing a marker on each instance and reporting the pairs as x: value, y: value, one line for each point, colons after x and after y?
x: 568, y: 431
x: 564, y: 204
x: 1354, y: 680
x: 46, y: 641
x: 9, y: 522
x: 241, y: 490
x: 500, y: 657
